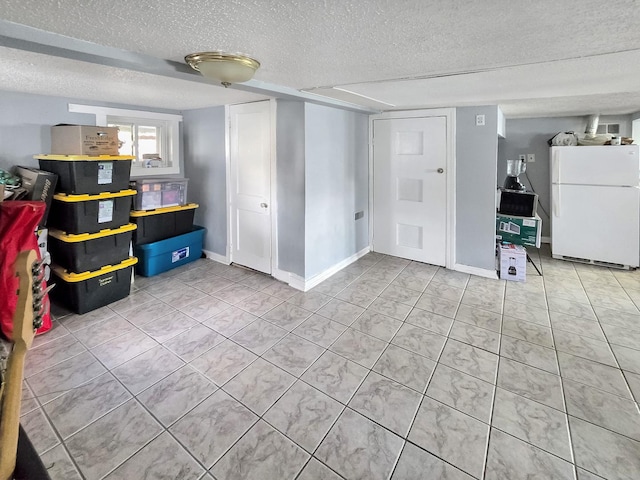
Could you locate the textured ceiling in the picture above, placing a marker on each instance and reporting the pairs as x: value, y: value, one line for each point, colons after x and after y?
x: 46, y: 75
x: 586, y: 82
x: 304, y: 44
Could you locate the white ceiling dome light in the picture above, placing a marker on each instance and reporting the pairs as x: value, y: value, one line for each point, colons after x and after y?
x: 226, y: 68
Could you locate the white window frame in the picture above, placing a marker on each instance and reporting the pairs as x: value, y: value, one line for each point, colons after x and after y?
x: 171, y: 121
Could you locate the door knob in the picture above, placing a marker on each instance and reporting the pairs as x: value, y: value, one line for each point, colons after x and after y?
x: 264, y: 205
x: 440, y: 170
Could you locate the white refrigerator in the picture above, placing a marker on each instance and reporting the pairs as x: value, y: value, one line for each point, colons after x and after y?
x: 595, y: 204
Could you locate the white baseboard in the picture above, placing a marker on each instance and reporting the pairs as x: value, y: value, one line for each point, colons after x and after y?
x: 297, y: 282
x: 216, y: 256
x: 545, y: 239
x: 480, y: 272
x: 291, y: 279
x: 304, y: 285
x: 321, y: 277
x: 280, y: 275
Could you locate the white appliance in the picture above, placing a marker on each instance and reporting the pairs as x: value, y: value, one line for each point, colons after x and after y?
x: 595, y: 204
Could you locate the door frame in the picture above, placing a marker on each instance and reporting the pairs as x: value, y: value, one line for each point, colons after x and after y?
x: 450, y: 115
x: 273, y: 182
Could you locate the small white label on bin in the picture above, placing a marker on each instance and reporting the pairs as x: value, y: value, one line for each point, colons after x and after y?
x: 179, y: 254
x: 105, y: 211
x: 105, y: 173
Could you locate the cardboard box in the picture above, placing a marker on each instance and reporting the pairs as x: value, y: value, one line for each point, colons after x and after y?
x: 40, y: 185
x: 519, y: 230
x: 512, y: 261
x: 84, y: 140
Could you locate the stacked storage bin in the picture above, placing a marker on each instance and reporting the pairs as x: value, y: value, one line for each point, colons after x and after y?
x: 166, y: 237
x: 90, y: 234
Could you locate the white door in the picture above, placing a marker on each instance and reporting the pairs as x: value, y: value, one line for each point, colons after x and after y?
x: 410, y: 188
x: 250, y: 175
x: 596, y: 223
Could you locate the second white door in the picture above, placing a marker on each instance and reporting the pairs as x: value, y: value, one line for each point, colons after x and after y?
x: 410, y: 188
x: 250, y: 184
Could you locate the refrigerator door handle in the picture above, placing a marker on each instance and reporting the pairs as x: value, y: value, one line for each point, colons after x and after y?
x: 556, y: 200
x: 556, y: 167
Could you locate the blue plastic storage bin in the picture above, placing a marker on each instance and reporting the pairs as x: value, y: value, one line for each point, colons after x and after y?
x: 158, y: 257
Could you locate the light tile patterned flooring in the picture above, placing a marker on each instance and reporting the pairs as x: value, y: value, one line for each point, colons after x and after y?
x: 390, y: 369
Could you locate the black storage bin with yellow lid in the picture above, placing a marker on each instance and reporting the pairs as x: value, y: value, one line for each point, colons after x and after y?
x: 90, y: 213
x: 83, y: 292
x: 84, y: 174
x: 162, y: 223
x: 85, y: 252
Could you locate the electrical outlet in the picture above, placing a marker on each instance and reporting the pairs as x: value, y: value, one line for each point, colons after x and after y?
x: 479, y: 120
x: 531, y: 157
x: 522, y: 157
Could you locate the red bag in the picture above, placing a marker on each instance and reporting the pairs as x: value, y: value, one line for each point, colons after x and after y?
x: 18, y: 222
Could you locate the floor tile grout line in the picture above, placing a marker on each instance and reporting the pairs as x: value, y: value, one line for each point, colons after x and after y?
x: 135, y: 453
x: 415, y: 415
x: 618, y: 367
x: 62, y: 443
x: 386, y: 343
x: 611, y: 350
x: 311, y: 457
x: 141, y: 404
x: 188, y: 450
x: 345, y: 406
x: 493, y: 398
x: 564, y: 402
x: 56, y: 364
x: 261, y: 417
x: 133, y: 397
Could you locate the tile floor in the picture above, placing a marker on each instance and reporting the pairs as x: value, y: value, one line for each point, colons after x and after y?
x: 390, y: 369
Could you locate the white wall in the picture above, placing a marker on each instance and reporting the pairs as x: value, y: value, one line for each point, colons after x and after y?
x: 25, y: 125
x: 290, y: 178
x: 321, y: 175
x: 205, y: 167
x: 26, y: 120
x: 476, y: 159
x: 336, y: 186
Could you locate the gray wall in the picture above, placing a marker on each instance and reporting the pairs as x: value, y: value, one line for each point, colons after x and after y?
x: 26, y: 119
x: 476, y: 159
x: 25, y: 122
x: 337, y: 186
x: 290, y: 174
x: 205, y: 167
x: 530, y: 135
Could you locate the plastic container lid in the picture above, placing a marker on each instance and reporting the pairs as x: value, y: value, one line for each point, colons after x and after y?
x: 157, y: 211
x: 166, y: 179
x: 83, y: 237
x: 84, y: 158
x: 63, y: 197
x: 71, y: 277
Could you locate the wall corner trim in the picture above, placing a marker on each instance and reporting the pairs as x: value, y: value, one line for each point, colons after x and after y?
x: 321, y: 277
x: 304, y: 285
x: 480, y: 272
x: 216, y: 257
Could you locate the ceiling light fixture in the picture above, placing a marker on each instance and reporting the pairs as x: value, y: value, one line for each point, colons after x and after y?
x: 226, y: 68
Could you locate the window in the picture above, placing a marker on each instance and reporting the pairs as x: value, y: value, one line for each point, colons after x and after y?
x: 613, y: 128
x: 153, y: 138
x: 145, y: 140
